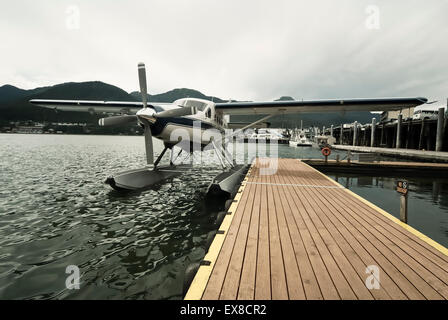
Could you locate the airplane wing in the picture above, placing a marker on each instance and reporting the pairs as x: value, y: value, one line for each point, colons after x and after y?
x: 239, y: 125
x: 119, y: 107
x: 340, y: 105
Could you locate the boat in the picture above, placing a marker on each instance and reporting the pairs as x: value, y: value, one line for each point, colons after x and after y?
x: 324, y: 141
x: 300, y: 139
x: 267, y: 136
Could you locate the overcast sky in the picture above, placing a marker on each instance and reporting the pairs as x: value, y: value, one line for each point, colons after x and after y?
x: 257, y: 50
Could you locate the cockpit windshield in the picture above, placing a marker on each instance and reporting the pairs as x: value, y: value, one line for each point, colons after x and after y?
x: 199, y: 105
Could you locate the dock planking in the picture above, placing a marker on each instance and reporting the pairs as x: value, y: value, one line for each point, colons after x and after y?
x: 297, y: 234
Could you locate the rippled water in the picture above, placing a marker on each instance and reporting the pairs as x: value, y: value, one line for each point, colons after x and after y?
x: 55, y: 211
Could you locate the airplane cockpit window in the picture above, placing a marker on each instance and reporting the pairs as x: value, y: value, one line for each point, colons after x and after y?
x: 194, y: 103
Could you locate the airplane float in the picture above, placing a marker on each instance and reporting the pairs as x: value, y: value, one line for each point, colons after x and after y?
x: 161, y: 120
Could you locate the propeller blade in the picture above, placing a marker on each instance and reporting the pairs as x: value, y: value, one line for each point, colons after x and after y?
x: 178, y: 112
x: 142, y: 81
x: 148, y: 145
x: 117, y: 120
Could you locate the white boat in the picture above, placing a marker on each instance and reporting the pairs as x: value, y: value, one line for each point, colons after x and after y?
x: 323, y: 141
x: 266, y: 136
x: 300, y: 140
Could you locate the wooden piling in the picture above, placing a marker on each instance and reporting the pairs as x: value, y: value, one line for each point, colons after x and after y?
x: 422, y: 131
x: 404, y: 208
x: 341, y: 138
x: 439, y: 135
x: 409, y: 135
x: 400, y: 119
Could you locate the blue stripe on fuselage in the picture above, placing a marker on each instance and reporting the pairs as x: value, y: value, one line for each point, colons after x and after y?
x: 161, y: 123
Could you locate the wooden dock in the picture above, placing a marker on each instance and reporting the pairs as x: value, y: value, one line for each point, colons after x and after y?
x: 297, y: 234
x: 418, y: 155
x: 383, y: 168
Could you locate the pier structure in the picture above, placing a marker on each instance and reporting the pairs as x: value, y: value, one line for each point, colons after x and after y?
x: 297, y: 234
x: 420, y: 155
x: 382, y: 168
x: 424, y: 134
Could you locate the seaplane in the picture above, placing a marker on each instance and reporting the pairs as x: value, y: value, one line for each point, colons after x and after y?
x: 192, y: 124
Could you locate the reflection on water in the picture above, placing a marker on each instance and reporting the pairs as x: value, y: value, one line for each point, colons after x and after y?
x: 55, y: 211
x: 427, y: 200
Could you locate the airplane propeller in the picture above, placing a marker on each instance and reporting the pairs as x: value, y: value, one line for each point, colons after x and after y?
x: 148, y: 145
x: 124, y: 119
x: 117, y: 120
x: 144, y: 92
x: 142, y: 81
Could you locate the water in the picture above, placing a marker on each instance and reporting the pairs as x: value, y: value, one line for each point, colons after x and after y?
x: 55, y: 211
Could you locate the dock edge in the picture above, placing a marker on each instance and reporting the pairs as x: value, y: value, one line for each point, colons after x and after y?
x: 200, y: 280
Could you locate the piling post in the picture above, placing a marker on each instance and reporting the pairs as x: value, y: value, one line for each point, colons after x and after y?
x: 364, y: 136
x: 372, y: 133
x: 400, y: 119
x: 355, y: 133
x: 382, y: 135
x: 439, y: 137
x: 402, y: 189
x: 422, y: 131
x: 404, y: 208
x: 341, y: 138
x: 331, y: 131
x: 409, y: 135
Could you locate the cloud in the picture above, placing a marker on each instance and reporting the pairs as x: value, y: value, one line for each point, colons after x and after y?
x: 232, y: 49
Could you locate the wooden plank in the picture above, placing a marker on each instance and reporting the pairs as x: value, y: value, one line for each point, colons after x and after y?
x: 326, y: 285
x: 352, y: 247
x: 354, y: 278
x: 309, y: 280
x: 262, y: 277
x: 278, y: 278
x: 420, y: 246
x: 293, y: 278
x: 400, y: 260
x: 416, y: 281
x: 214, y: 285
x: 437, y: 278
x: 247, y: 283
x: 232, y: 279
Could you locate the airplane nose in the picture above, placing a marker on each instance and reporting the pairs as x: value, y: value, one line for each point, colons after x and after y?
x: 147, y: 114
x: 147, y: 118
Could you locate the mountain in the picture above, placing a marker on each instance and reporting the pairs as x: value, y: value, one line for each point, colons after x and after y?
x: 10, y: 93
x: 92, y: 90
x: 175, y: 94
x: 14, y: 105
x: 285, y: 98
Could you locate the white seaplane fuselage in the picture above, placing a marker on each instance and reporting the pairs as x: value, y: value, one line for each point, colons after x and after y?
x: 198, y: 128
